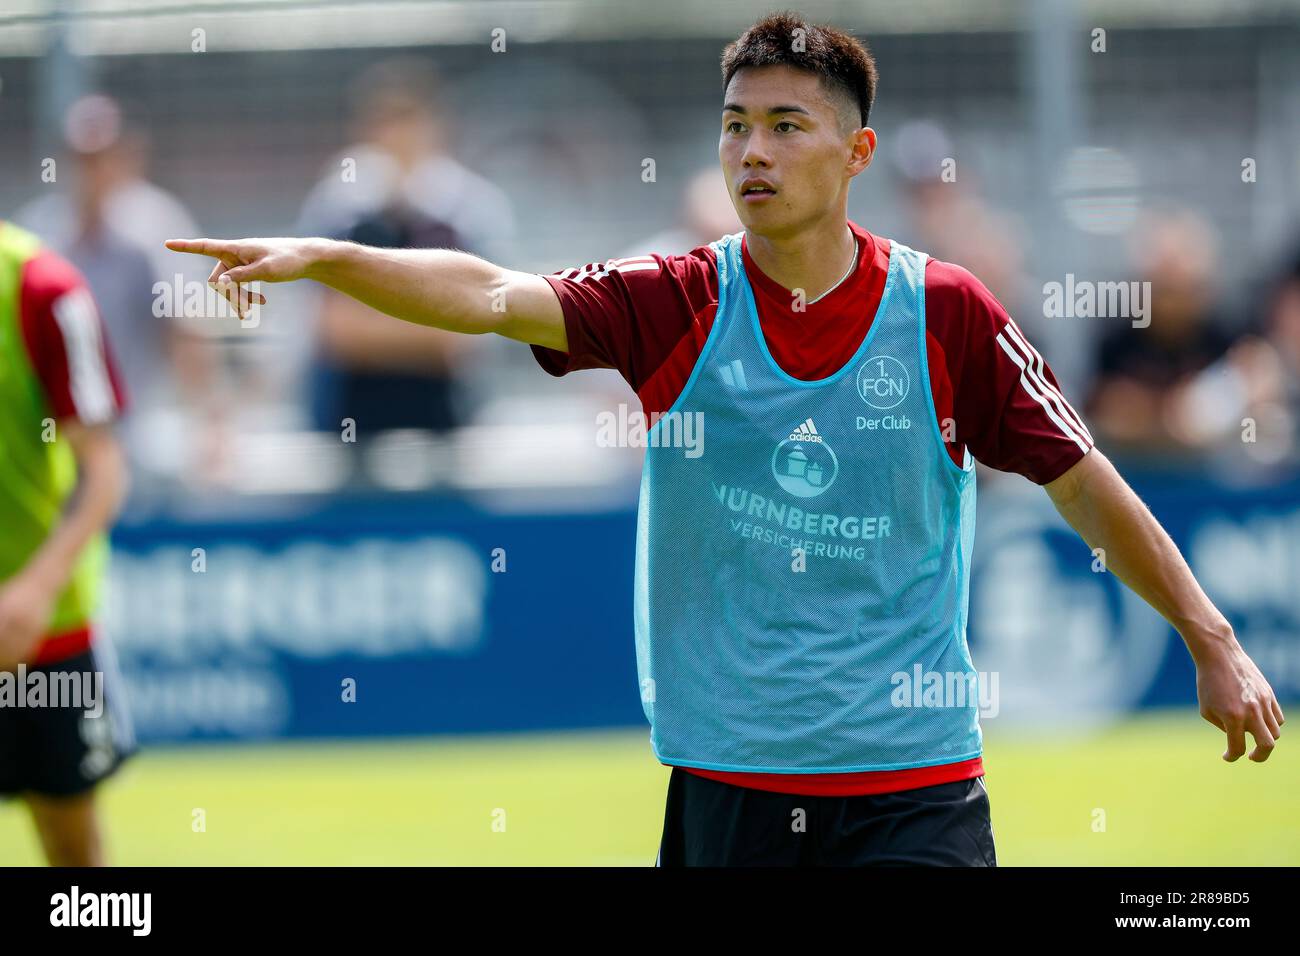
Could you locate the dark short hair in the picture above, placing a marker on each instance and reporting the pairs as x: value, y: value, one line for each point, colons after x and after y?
x: 843, y: 62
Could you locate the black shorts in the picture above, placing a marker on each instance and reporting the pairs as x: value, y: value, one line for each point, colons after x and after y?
x: 61, y: 751
x: 710, y: 823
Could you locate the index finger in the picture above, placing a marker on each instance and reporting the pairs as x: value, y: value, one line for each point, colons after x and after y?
x: 202, y: 247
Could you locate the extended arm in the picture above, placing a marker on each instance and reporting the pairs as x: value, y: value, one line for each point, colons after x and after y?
x: 442, y: 288
x: 1107, y: 514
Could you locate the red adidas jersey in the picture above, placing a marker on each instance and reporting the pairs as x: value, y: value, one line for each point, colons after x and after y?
x: 67, y: 347
x: 649, y: 317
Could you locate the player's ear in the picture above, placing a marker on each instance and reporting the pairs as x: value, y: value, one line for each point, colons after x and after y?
x: 864, y: 149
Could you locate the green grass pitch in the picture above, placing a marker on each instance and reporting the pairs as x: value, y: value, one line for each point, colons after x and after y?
x: 1150, y: 790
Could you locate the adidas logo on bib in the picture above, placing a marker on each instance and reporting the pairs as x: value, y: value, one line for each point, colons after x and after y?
x: 805, y: 432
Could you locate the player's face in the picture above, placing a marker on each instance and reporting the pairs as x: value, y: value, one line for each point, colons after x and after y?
x: 780, y: 126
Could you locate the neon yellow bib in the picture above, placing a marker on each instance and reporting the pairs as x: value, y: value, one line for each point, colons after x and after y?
x: 37, y: 468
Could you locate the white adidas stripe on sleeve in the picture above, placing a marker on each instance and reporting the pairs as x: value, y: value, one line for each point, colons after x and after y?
x: 597, y: 270
x: 88, y: 378
x: 1057, y: 408
x: 1036, y: 372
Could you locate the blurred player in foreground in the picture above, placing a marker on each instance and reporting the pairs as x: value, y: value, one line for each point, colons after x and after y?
x: 63, y: 728
x: 797, y: 570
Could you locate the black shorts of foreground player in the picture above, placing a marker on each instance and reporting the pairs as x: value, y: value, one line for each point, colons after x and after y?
x: 711, y: 823
x: 62, y: 749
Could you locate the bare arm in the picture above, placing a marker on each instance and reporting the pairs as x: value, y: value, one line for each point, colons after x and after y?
x: 27, y: 599
x: 442, y: 288
x: 357, y: 336
x: 1107, y: 514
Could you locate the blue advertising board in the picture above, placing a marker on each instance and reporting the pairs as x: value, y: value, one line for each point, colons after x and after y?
x: 420, y: 615
x: 375, y: 618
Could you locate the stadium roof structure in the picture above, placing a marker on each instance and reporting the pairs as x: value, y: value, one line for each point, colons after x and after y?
x: 117, y: 27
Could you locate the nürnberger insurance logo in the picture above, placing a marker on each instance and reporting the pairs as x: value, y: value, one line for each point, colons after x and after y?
x: 883, y: 382
x: 804, y: 464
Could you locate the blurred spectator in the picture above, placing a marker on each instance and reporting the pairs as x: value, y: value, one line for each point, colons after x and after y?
x: 111, y: 225
x: 706, y: 213
x: 396, y: 187
x: 1277, y: 410
x: 949, y: 220
x: 1248, y: 402
x: 948, y: 217
x: 1143, y: 372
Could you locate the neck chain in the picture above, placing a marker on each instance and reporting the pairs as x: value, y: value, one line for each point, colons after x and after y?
x: 853, y: 264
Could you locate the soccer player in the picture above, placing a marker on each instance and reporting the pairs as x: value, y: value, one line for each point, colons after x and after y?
x: 820, y: 545
x: 62, y: 479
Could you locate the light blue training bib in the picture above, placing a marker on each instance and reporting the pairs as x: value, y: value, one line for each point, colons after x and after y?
x: 802, y: 574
